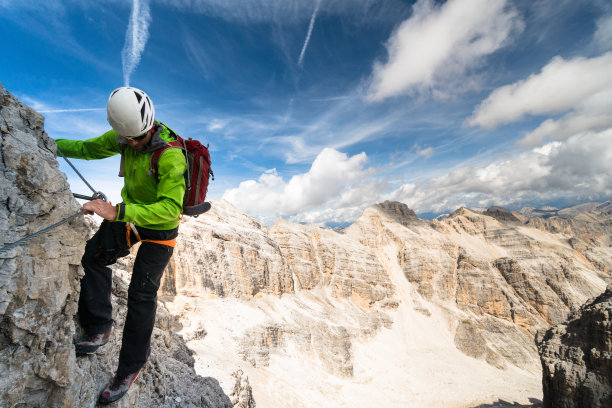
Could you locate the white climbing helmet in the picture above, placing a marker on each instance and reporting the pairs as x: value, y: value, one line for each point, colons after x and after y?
x: 130, y: 112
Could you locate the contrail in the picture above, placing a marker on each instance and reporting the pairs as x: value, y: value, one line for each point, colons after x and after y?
x: 310, y: 27
x: 136, y: 38
x: 71, y: 110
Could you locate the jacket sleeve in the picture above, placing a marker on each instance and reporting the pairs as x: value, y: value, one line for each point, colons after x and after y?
x: 170, y: 192
x: 97, y: 148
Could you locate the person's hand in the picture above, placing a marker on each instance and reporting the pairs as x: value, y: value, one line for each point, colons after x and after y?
x: 102, y: 208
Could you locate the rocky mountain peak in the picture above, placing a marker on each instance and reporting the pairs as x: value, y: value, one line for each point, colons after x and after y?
x: 501, y: 214
x: 399, y: 212
x: 462, y: 212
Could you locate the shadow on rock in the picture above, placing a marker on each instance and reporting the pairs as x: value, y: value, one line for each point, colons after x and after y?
x: 534, y: 403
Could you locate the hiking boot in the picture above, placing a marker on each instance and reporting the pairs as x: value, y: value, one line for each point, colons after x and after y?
x: 117, y: 388
x: 90, y: 343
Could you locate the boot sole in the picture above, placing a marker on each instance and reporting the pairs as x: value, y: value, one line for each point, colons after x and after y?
x: 86, y: 350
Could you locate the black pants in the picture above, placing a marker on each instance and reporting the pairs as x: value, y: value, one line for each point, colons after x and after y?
x: 95, y: 309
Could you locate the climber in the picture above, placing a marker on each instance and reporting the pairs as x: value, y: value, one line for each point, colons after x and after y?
x: 149, y: 213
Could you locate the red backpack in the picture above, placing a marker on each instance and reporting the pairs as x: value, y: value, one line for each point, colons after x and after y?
x: 196, y: 176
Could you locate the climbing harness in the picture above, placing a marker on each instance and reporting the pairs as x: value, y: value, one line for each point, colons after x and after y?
x: 96, y: 195
x: 131, y: 227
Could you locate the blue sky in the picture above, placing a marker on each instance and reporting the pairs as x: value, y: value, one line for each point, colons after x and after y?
x: 317, y: 109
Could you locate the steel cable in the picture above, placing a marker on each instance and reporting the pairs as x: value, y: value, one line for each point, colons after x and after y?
x: 96, y: 195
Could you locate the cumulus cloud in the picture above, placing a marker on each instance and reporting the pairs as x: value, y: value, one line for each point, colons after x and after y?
x: 440, y: 43
x: 577, y: 169
x: 333, y: 177
x: 338, y: 187
x: 593, y: 114
x: 560, y: 86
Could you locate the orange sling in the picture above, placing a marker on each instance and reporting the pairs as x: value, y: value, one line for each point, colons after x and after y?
x: 131, y: 227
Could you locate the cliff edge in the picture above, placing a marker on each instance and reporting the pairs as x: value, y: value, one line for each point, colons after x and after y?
x: 577, y: 357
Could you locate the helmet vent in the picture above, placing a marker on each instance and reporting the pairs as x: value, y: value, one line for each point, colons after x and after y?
x: 114, y: 92
x: 142, y: 113
x: 138, y: 96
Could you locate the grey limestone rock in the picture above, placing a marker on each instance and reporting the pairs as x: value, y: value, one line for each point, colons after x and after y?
x: 39, y: 279
x: 576, y: 357
x: 501, y: 214
x: 398, y: 211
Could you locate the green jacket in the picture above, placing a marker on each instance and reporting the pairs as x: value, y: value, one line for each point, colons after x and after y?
x: 146, y: 202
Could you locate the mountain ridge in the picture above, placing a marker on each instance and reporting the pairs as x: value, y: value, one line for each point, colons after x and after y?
x: 490, y: 285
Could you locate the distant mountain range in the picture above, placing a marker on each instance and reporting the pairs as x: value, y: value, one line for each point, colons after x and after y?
x: 569, y: 212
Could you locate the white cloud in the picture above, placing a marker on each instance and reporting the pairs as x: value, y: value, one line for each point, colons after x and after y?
x: 84, y: 122
x: 196, y: 54
x: 338, y: 188
x: 136, y: 38
x: 299, y: 136
x: 44, y: 108
x: 594, y: 113
x: 216, y: 124
x: 440, y: 43
x: 333, y: 176
x: 603, y: 34
x: 340, y: 215
x: 560, y: 86
x: 425, y: 152
x: 579, y: 168
x: 323, y: 132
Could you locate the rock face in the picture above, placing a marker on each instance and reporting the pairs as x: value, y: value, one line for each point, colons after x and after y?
x: 40, y: 288
x: 318, y: 257
x: 232, y: 255
x: 589, y: 230
x: 577, y: 357
x: 499, y: 281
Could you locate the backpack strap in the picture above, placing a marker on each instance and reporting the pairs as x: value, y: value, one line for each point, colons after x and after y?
x: 122, y: 163
x: 153, y: 169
